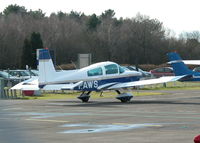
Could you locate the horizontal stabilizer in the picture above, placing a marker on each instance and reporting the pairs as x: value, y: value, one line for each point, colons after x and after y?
x: 69, y: 86
x: 30, y: 84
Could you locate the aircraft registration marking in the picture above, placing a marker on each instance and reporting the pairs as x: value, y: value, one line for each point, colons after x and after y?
x: 89, y: 85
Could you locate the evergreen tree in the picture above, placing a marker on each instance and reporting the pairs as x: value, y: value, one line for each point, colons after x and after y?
x: 26, y: 58
x: 36, y: 43
x: 14, y: 9
x: 37, y: 14
x: 93, y: 22
x: 108, y: 14
x: 29, y: 50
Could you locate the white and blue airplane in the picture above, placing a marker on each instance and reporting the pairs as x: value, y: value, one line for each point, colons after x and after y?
x: 180, y: 69
x: 97, y: 77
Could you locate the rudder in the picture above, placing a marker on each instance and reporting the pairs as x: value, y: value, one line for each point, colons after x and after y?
x: 178, y: 66
x: 46, y: 67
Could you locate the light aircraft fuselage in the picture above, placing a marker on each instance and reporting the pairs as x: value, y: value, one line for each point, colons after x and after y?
x: 94, y: 77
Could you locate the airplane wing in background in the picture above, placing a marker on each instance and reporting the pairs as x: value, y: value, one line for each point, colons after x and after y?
x: 192, y: 62
x: 147, y: 82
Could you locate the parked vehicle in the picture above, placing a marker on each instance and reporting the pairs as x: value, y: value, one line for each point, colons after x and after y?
x: 164, y: 71
x: 31, y: 73
x: 22, y: 74
x: 35, y: 72
x: 197, y: 69
x: 9, y: 79
x: 144, y: 73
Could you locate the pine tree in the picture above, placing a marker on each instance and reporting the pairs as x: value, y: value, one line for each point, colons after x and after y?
x: 36, y: 43
x: 29, y: 50
x: 26, y: 54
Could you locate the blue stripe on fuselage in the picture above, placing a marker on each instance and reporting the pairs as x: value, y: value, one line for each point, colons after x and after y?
x: 93, y: 85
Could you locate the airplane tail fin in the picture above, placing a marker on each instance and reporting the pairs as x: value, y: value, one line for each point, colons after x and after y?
x: 46, y: 67
x: 178, y: 66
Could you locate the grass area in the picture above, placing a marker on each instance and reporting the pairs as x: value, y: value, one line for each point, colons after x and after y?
x: 144, y: 91
x: 94, y: 95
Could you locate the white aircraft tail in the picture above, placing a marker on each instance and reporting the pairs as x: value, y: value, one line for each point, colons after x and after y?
x: 46, y: 67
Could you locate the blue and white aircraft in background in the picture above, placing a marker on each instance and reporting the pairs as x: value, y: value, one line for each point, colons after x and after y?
x: 97, y: 77
x: 180, y: 69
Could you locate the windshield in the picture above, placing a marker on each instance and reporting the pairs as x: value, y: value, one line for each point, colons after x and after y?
x: 19, y: 73
x: 30, y: 73
x: 4, y: 74
x: 23, y: 73
x: 121, y: 69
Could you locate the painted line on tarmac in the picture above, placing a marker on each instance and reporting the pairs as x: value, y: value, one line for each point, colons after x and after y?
x: 151, y: 112
x: 7, y: 109
x: 180, y: 93
x: 167, y: 99
x: 146, y: 116
x: 120, y: 123
x: 154, y: 125
x: 5, y: 118
x: 99, y: 128
x: 42, y: 120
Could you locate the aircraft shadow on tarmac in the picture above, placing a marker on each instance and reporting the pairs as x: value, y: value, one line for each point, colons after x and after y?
x: 119, y: 104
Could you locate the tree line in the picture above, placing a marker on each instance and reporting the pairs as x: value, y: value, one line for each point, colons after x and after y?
x: 137, y: 40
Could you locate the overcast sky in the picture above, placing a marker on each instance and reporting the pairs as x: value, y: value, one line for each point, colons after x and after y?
x: 177, y: 15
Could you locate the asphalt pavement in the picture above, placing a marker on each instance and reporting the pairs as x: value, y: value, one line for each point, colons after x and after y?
x: 173, y: 117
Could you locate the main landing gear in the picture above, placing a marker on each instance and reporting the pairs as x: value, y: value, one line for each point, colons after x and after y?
x: 124, y: 97
x: 84, y: 96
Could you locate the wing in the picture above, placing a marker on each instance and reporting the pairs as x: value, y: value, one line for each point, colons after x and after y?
x: 147, y: 82
x: 192, y: 62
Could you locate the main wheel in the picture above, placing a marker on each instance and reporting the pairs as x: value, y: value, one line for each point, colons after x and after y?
x: 84, y: 98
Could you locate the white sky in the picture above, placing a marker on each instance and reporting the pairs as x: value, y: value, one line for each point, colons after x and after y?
x: 177, y: 15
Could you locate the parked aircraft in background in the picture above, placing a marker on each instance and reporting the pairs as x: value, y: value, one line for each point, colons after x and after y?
x: 97, y: 77
x: 180, y: 69
x: 192, y: 62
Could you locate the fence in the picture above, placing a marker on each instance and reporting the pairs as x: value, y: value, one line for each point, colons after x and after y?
x: 2, y: 85
x: 5, y: 92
